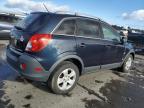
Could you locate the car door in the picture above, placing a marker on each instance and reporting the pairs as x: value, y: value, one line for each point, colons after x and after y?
x: 114, y: 49
x: 64, y: 37
x: 88, y: 38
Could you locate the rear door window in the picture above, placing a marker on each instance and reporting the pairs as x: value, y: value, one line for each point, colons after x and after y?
x: 67, y: 27
x: 88, y: 28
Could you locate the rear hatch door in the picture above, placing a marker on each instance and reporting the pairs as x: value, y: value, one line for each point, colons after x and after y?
x: 22, y: 32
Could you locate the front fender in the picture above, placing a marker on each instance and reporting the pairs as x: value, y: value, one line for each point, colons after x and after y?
x: 130, y: 52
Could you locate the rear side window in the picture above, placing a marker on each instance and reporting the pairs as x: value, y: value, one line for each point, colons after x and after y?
x: 66, y: 27
x: 88, y: 28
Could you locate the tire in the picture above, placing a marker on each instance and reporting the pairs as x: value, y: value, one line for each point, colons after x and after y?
x: 64, y: 78
x: 127, y: 65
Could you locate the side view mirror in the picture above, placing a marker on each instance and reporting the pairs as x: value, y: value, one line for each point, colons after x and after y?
x: 123, y: 39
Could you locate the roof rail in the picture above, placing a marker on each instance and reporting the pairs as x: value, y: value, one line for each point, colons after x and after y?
x: 87, y: 15
x: 78, y: 14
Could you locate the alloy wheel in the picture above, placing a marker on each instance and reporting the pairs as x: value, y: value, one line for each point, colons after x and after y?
x: 66, y: 79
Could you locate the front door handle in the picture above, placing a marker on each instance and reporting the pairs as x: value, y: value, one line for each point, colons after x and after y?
x: 82, y: 45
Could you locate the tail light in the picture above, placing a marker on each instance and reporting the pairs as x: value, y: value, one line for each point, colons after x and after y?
x: 38, y: 42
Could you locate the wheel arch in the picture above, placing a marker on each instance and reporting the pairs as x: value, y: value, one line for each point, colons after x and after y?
x: 72, y: 58
x: 133, y: 55
x: 131, y: 52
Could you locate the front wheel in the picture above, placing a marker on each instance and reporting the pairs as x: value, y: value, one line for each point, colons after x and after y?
x: 64, y: 78
x: 127, y: 65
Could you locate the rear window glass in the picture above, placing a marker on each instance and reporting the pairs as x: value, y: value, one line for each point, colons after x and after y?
x: 32, y: 22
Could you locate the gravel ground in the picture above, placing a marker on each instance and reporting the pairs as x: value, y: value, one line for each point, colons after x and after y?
x: 103, y: 89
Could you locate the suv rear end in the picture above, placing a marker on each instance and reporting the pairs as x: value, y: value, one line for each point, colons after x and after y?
x: 33, y: 50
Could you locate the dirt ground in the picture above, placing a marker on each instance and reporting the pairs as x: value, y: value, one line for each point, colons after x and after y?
x: 103, y: 89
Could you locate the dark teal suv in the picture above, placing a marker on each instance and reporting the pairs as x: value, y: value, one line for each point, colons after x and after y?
x: 58, y: 48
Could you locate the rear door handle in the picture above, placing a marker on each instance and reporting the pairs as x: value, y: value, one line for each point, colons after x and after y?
x: 82, y: 45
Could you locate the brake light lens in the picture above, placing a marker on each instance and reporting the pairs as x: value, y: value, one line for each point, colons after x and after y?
x: 38, y: 42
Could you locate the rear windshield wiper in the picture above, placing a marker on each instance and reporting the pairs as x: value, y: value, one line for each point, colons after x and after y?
x: 19, y: 28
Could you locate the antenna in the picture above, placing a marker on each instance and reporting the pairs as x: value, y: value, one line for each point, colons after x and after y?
x: 45, y: 7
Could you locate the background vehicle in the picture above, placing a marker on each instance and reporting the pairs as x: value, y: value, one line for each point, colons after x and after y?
x: 58, y: 48
x: 135, y: 36
x: 138, y: 41
x: 7, y: 21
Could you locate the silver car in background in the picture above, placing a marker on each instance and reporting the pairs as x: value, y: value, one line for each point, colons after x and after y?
x: 7, y: 21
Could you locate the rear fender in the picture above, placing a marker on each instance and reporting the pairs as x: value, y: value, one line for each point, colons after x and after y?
x: 64, y: 57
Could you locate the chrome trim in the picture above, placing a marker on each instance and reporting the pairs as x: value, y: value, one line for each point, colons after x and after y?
x: 88, y: 37
x: 77, y: 36
x: 63, y: 34
x: 83, y: 37
x: 109, y: 40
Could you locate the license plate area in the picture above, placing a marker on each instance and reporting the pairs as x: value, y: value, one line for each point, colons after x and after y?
x: 16, y: 44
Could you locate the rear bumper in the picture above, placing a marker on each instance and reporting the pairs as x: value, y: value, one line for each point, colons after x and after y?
x: 15, y: 59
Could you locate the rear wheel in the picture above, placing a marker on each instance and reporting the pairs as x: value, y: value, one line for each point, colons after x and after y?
x: 64, y: 78
x: 127, y: 65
